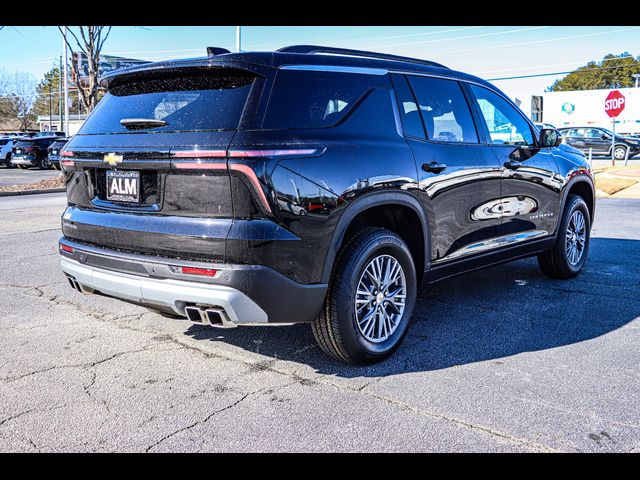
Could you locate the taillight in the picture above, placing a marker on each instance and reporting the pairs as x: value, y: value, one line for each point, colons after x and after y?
x: 205, y: 272
x: 66, y: 153
x: 200, y: 154
x: 275, y: 153
x: 200, y: 165
x: 66, y: 248
x: 67, y: 163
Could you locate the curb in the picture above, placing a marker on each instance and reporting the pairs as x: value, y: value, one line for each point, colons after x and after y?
x: 32, y: 192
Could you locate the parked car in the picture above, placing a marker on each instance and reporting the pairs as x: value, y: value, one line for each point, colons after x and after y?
x: 32, y: 152
x: 53, y: 152
x: 185, y: 187
x: 6, y: 144
x: 599, y: 140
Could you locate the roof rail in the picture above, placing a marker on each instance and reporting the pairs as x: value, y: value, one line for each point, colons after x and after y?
x: 213, y: 51
x: 355, y: 53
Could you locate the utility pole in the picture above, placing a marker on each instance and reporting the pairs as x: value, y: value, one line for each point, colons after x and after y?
x: 60, y: 96
x: 636, y: 76
x: 239, y: 39
x: 66, y: 86
x: 50, y: 105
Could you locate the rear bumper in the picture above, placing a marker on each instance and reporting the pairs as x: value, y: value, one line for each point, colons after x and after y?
x: 28, y: 161
x: 248, y: 294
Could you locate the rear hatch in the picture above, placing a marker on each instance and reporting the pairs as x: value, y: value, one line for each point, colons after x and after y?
x: 148, y: 173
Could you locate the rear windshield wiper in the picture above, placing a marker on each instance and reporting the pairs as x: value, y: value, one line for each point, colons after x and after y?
x: 135, y: 123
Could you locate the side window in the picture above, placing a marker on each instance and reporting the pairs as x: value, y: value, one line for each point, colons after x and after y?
x: 409, y: 114
x: 309, y: 99
x: 505, y: 124
x: 444, y: 110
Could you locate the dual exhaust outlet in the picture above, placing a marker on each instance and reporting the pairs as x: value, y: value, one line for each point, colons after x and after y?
x: 212, y: 316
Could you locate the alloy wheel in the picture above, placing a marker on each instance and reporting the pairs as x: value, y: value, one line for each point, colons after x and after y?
x: 380, y: 298
x: 576, y: 237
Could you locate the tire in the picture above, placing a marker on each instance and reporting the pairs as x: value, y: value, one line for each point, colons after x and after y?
x: 620, y: 152
x: 22, y: 167
x: 44, y: 164
x: 562, y: 261
x: 341, y: 330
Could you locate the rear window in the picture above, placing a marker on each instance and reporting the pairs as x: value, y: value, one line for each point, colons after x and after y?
x: 310, y: 99
x: 186, y: 103
x: 3, y: 142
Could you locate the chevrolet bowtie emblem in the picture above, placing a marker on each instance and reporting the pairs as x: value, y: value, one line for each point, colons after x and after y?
x: 112, y: 159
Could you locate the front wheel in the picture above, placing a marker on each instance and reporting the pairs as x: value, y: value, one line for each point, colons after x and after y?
x: 620, y: 152
x: 371, y: 299
x: 568, y: 255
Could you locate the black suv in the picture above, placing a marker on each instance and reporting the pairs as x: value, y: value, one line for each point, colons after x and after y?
x: 599, y: 141
x: 311, y: 184
x: 33, y: 151
x: 53, y: 152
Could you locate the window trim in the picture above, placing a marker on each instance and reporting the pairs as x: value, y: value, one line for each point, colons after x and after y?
x: 424, y: 127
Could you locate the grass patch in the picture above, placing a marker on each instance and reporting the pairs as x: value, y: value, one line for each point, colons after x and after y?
x: 611, y: 185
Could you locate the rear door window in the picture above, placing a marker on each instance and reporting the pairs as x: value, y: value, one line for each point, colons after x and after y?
x: 444, y: 110
x: 313, y: 99
x: 212, y: 101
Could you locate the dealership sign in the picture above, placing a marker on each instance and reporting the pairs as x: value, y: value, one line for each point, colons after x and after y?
x: 614, y: 103
x: 107, y: 63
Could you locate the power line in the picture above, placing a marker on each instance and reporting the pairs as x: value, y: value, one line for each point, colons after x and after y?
x: 533, y: 42
x: 556, y: 73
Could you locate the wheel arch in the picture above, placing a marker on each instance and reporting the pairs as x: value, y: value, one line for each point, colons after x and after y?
x: 361, y: 210
x: 582, y: 185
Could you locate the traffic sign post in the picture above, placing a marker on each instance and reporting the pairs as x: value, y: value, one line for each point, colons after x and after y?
x: 613, y: 106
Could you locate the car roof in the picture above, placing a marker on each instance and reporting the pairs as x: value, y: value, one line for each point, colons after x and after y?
x: 261, y: 62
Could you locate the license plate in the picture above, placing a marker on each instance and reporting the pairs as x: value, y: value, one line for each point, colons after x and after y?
x: 123, y: 186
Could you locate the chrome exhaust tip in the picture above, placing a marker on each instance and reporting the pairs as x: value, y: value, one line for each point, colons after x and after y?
x: 218, y: 318
x: 211, y: 316
x: 196, y: 315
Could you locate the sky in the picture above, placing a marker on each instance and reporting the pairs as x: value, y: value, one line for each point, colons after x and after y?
x: 489, y: 52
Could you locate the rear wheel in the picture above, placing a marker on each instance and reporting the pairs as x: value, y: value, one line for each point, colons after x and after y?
x: 569, y: 253
x: 370, y: 300
x: 44, y: 163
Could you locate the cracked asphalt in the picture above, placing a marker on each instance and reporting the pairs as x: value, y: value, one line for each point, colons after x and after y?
x: 500, y: 360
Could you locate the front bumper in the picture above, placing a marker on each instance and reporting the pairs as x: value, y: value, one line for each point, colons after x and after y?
x: 248, y: 294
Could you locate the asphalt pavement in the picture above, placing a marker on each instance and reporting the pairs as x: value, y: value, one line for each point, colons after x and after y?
x: 502, y: 359
x: 17, y: 176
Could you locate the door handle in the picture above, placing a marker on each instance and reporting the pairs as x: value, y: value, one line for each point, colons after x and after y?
x: 434, y: 167
x: 513, y: 164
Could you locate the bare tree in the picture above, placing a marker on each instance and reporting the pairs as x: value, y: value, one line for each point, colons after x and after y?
x: 89, y: 41
x: 18, y: 93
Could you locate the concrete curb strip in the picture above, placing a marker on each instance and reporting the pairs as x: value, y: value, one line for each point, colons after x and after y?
x: 31, y: 192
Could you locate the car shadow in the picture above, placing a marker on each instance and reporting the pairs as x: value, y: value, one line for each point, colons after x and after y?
x: 485, y: 315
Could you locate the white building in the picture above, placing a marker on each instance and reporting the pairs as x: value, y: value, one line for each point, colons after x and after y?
x: 584, y: 108
x: 75, y: 122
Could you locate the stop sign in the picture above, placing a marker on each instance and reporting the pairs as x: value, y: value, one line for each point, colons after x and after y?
x: 614, y: 103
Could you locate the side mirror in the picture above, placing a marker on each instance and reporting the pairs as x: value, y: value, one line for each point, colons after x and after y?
x: 550, y: 137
